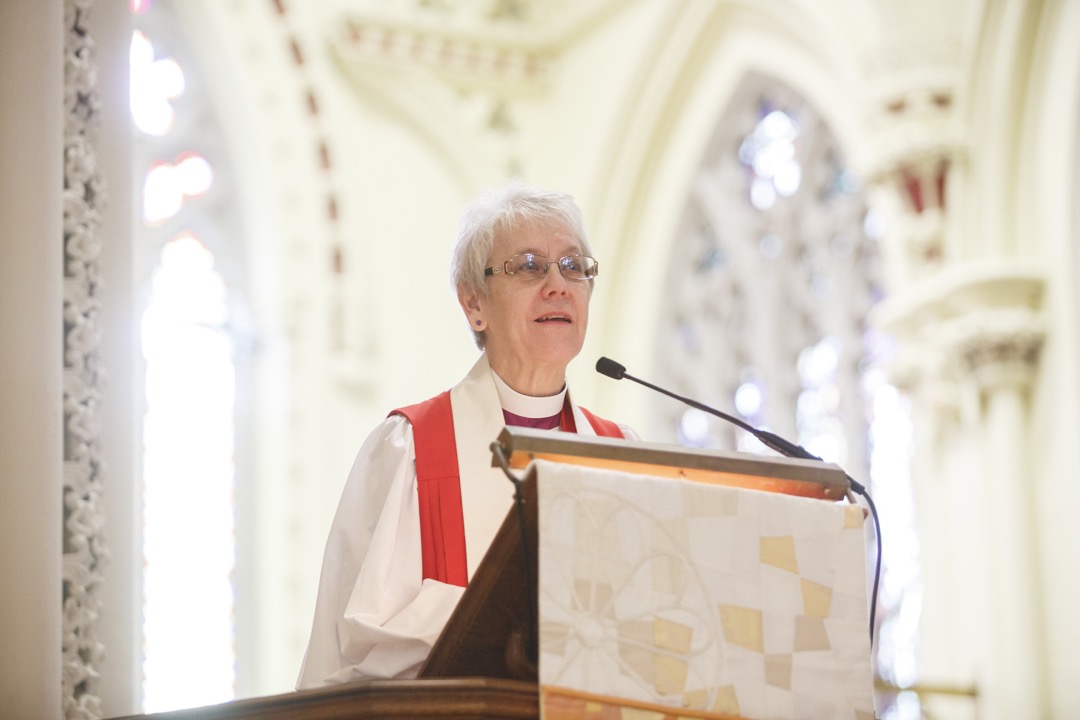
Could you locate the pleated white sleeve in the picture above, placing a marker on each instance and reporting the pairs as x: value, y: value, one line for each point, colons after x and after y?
x: 374, y: 618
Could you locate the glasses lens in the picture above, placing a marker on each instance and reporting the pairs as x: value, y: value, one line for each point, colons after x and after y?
x: 528, y: 265
x: 577, y: 267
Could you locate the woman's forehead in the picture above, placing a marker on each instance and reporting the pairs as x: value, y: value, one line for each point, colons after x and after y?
x: 538, y: 238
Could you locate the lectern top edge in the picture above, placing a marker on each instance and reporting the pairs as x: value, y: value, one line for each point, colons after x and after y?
x: 521, y: 445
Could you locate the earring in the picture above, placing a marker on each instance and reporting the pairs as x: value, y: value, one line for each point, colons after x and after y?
x: 477, y: 323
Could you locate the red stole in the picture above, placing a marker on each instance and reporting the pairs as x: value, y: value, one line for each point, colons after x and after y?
x: 438, y: 483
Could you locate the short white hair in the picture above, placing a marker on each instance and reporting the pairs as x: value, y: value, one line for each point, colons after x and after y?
x: 499, y: 211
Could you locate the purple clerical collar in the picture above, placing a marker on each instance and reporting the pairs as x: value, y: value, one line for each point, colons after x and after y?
x: 544, y: 423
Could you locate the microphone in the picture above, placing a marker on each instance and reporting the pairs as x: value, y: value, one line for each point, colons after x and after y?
x: 607, y: 366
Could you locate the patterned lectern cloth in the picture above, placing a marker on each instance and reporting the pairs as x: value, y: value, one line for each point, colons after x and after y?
x: 669, y: 599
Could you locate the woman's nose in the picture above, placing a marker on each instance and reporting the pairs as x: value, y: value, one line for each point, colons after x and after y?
x: 554, y: 282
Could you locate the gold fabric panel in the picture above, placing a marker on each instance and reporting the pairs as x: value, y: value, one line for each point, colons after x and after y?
x: 779, y: 552
x: 816, y: 598
x: 742, y: 627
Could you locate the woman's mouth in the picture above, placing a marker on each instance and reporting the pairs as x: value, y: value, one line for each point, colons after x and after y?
x: 554, y: 317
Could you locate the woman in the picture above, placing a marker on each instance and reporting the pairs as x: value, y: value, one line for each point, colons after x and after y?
x: 422, y: 502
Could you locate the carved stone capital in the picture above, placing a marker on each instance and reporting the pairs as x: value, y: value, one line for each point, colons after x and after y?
x: 918, y: 142
x: 982, y: 322
x: 999, y: 347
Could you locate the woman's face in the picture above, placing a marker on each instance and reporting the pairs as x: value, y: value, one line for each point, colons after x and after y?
x: 533, y: 328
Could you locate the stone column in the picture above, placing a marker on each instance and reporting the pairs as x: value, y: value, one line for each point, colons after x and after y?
x: 1000, y: 347
x: 31, y: 328
x: 971, y: 340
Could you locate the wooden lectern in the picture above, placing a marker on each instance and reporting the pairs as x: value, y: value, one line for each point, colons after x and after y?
x: 489, y: 632
x: 484, y: 664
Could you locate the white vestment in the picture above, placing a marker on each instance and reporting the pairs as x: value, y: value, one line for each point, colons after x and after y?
x: 374, y: 617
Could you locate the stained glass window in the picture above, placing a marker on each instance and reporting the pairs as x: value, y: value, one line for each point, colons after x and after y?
x: 188, y: 471
x: 190, y: 383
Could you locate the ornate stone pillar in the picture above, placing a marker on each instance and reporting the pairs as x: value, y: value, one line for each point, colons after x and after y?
x: 85, y: 547
x: 31, y: 325
x: 971, y: 340
x: 1000, y: 349
x: 969, y: 323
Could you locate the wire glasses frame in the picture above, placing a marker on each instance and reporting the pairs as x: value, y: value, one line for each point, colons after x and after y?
x: 533, y: 267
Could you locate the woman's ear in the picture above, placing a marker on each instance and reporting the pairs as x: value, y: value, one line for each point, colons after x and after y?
x: 472, y: 303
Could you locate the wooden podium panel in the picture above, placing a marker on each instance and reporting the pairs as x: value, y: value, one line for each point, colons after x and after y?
x: 460, y: 699
x: 488, y: 632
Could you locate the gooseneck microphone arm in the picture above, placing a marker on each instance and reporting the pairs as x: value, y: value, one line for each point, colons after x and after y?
x: 607, y: 366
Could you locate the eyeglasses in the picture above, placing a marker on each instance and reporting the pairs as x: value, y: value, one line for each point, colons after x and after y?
x: 533, y: 267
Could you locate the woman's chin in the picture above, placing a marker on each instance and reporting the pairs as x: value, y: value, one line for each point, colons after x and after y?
x: 537, y: 353
x: 560, y: 355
